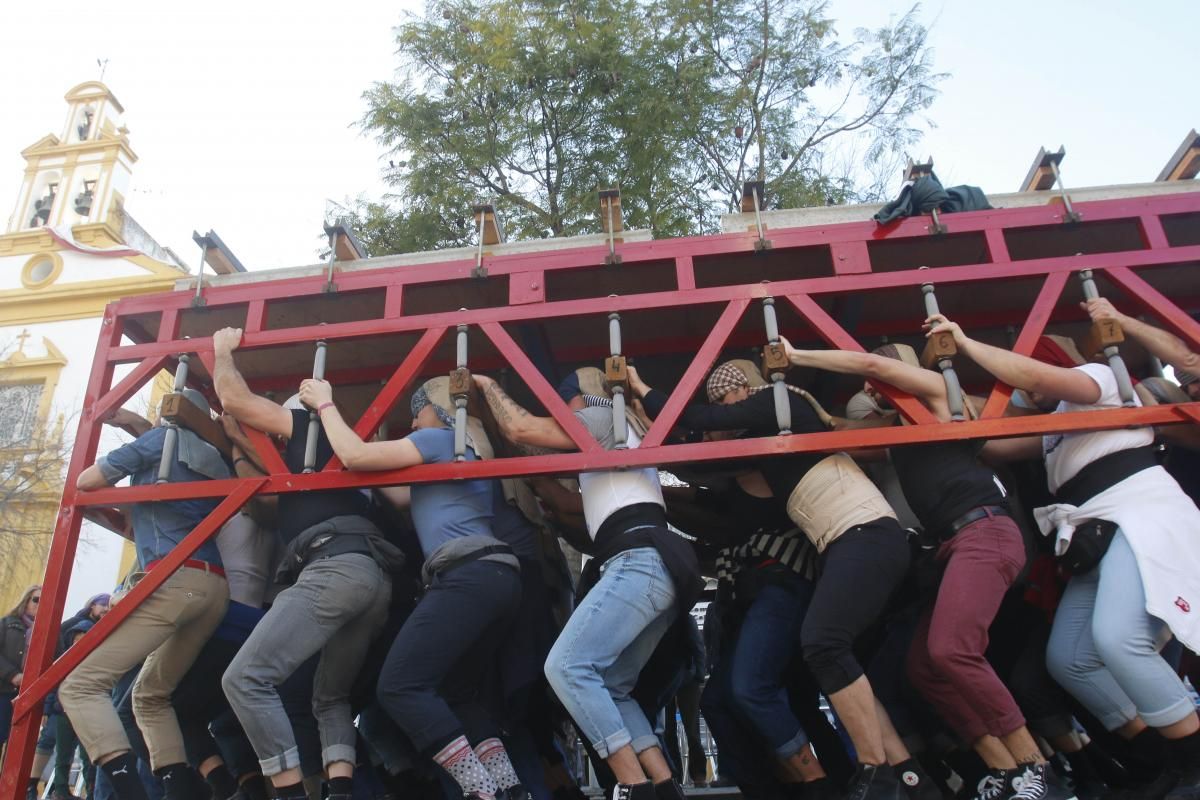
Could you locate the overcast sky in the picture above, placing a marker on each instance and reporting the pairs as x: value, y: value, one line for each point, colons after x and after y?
x: 243, y: 114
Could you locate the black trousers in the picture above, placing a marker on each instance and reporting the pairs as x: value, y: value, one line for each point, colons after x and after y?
x: 860, y: 571
x: 433, y: 681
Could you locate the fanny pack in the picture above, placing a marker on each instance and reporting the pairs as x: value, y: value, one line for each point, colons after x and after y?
x: 1088, y: 545
x: 1092, y: 538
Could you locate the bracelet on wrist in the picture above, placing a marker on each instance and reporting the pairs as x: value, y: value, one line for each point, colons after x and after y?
x: 324, y: 406
x: 240, y: 459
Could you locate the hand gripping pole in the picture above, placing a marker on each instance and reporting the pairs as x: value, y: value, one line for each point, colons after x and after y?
x: 460, y: 387
x: 1103, y: 338
x: 171, y: 440
x: 775, y: 366
x: 314, y: 419
x: 940, y: 349
x: 616, y: 374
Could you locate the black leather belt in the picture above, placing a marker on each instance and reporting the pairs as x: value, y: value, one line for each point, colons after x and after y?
x: 976, y: 514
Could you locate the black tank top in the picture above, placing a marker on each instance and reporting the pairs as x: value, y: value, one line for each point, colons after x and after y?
x: 944, y: 480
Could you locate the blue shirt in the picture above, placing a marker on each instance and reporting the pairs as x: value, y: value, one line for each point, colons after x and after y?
x: 445, y: 511
x: 159, y: 526
x: 511, y: 527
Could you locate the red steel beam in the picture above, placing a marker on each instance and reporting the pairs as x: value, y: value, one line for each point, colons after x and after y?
x: 657, y: 250
x: 1154, y: 302
x: 681, y: 395
x: 1031, y: 331
x: 836, y: 336
x: 18, y: 755
x: 44, y: 682
x: 670, y: 299
x: 372, y: 418
x: 852, y: 276
x: 541, y: 389
x: 665, y: 455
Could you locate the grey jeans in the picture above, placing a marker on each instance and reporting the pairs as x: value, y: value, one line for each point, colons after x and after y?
x: 337, y: 606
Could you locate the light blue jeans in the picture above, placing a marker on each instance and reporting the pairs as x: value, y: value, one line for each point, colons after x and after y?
x: 596, y: 660
x: 1104, y: 647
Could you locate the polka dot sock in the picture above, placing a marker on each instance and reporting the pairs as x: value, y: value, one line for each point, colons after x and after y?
x: 494, y: 757
x: 458, y: 759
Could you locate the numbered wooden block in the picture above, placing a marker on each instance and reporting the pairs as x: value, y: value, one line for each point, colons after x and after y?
x: 460, y: 381
x: 1104, y: 333
x: 939, y: 346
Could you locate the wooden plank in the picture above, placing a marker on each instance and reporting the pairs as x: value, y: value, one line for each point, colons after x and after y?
x: 178, y: 409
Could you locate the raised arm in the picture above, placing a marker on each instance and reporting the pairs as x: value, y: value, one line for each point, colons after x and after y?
x: 355, y: 454
x: 236, y: 397
x: 1161, y: 344
x: 1021, y: 372
x: 926, y: 385
x: 518, y: 425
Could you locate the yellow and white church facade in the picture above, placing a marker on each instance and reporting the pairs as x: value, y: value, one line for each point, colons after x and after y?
x: 69, y: 248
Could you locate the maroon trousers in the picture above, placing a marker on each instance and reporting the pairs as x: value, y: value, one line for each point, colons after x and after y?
x: 946, y: 661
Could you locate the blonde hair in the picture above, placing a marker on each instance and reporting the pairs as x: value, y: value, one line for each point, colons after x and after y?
x: 19, y: 610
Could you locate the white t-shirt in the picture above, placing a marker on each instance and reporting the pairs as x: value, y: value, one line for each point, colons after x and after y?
x: 1068, y: 453
x: 606, y: 492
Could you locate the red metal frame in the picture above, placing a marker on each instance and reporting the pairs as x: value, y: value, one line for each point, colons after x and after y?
x: 849, y: 253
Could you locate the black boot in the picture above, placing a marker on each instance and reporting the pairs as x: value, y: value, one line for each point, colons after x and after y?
x: 669, y: 790
x: 873, y: 782
x: 916, y: 781
x: 995, y: 785
x: 634, y: 791
x: 1185, y: 756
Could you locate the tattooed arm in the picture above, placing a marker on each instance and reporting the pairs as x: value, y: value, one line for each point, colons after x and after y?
x: 518, y: 425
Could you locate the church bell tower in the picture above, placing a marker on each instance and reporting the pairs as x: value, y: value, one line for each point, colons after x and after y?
x: 81, y: 176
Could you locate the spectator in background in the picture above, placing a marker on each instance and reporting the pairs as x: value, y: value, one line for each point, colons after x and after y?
x: 15, y: 629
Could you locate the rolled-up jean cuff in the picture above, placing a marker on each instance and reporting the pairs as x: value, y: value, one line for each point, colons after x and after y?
x: 1118, y: 717
x: 1170, y: 715
x: 644, y: 743
x: 289, y: 759
x: 611, y: 744
x: 791, y: 746
x: 338, y: 752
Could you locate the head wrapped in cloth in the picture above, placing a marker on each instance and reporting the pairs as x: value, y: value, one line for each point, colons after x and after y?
x: 589, y: 383
x: 1058, y: 351
x: 900, y: 352
x: 739, y: 373
x: 1160, y: 391
x: 435, y: 392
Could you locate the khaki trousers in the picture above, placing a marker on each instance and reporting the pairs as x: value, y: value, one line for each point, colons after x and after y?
x: 164, y: 634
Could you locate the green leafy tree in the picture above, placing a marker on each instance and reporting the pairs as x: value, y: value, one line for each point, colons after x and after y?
x: 538, y: 103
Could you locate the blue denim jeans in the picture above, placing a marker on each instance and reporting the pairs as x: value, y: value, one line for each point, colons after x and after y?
x: 596, y: 661
x: 768, y: 640
x: 1104, y: 647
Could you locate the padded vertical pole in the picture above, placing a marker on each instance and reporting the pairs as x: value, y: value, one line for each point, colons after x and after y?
x: 775, y: 364
x: 314, y: 419
x: 171, y: 440
x: 941, y: 351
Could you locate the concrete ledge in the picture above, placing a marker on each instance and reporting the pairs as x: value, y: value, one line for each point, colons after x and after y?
x: 831, y: 215
x: 412, y: 259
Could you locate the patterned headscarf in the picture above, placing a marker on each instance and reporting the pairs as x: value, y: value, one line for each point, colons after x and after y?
x: 736, y: 374
x: 742, y: 373
x: 420, y: 399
